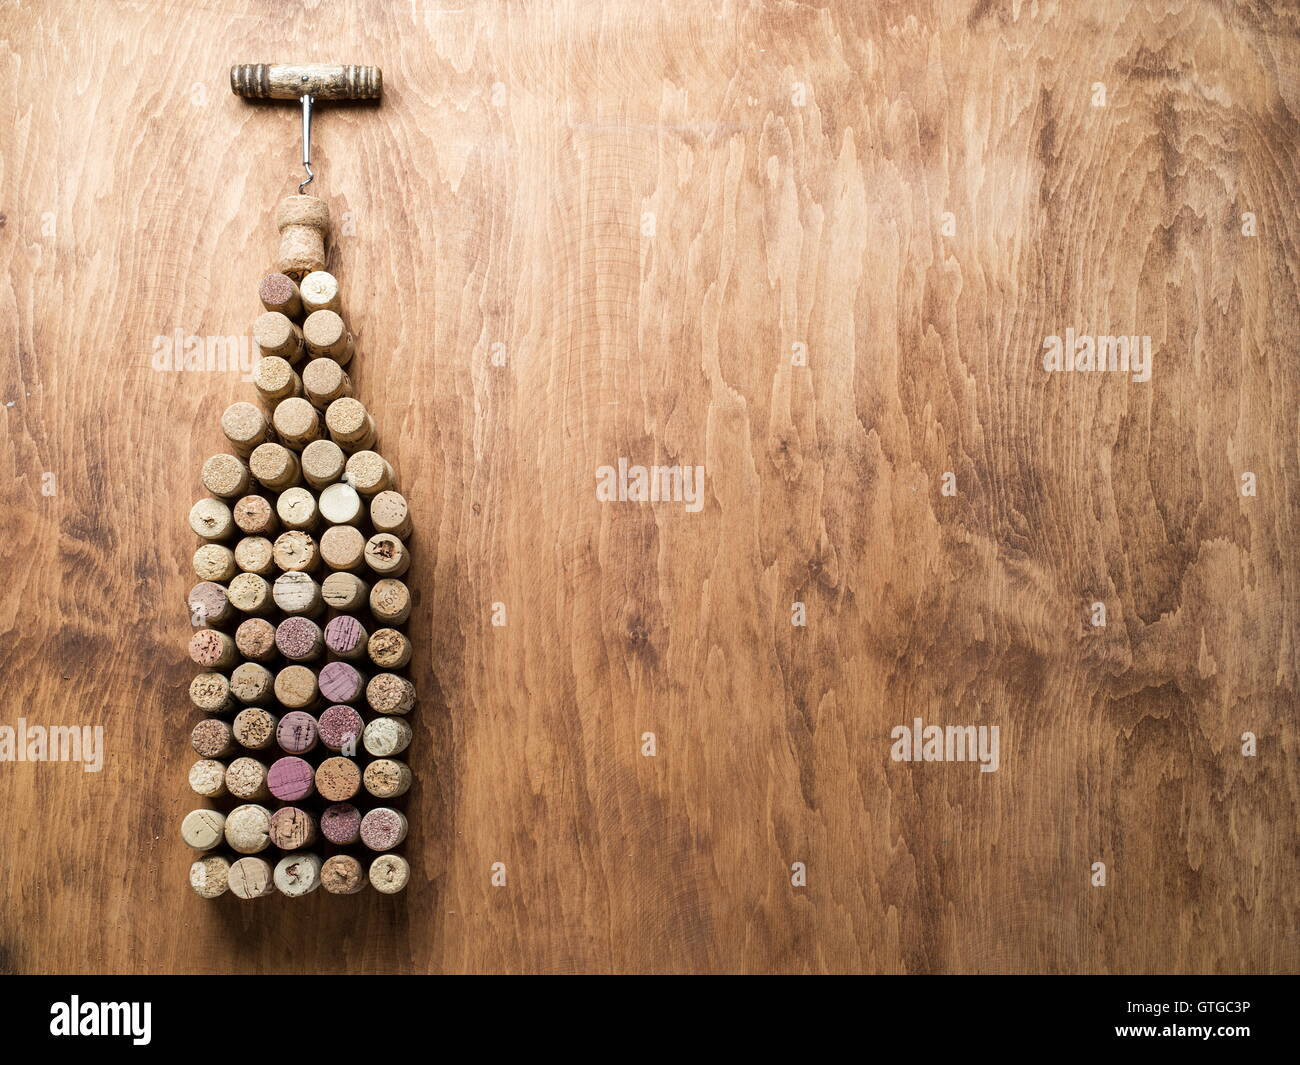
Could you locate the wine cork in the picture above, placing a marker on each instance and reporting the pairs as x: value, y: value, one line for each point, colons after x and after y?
x: 208, y: 778
x: 344, y: 591
x: 341, y: 823
x: 341, y: 683
x: 209, y: 604
x: 304, y: 224
x: 342, y: 875
x: 340, y: 505
x: 324, y: 381
x: 255, y: 554
x: 295, y: 687
x: 275, y: 466
x: 297, y: 874
x: 292, y: 828
x: 297, y: 509
x: 320, y: 292
x: 390, y: 514
x: 346, y: 637
x: 202, y: 829
x: 383, y: 828
x: 246, y: 427
x: 210, y: 692
x: 212, y: 650
x: 296, y: 732
x: 299, y: 639
x: 390, y: 601
x: 343, y: 547
x: 210, y: 876
x: 387, y: 693
x: 389, y: 649
x: 254, y: 728
x: 340, y: 728
x: 278, y: 292
x: 251, y: 683
x: 323, y: 463
x: 225, y: 476
x: 291, y: 779
x: 386, y: 555
x: 386, y: 778
x: 256, y: 517
x: 386, y: 736
x: 350, y: 425
x: 326, y: 337
x: 389, y: 873
x: 277, y: 336
x: 297, y: 422
x: 255, y: 639
x: 215, y: 562
x: 297, y: 594
x: 250, y: 878
x: 211, y: 519
x: 246, y: 779
x: 212, y: 738
x: 249, y: 593
x: 338, y: 779
x: 295, y: 551
x: 275, y: 381
x: 369, y: 473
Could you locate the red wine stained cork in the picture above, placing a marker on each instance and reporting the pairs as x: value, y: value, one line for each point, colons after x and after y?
x: 342, y: 875
x: 212, y: 650
x: 341, y: 505
x: 386, y: 736
x: 246, y: 427
x: 326, y: 337
x: 383, y: 828
x: 297, y: 594
x: 226, y: 476
x: 295, y: 687
x: 210, y: 692
x: 338, y: 779
x: 386, y: 778
x: 389, y: 873
x: 251, y: 683
x: 350, y: 425
x: 250, y: 878
x: 291, y: 779
x: 276, y: 335
x: 278, y: 292
x: 209, y: 604
x: 346, y: 637
x: 297, y: 422
x: 341, y: 823
x: 254, y: 728
x: 295, y: 551
x: 215, y: 562
x: 299, y: 639
x: 297, y: 509
x: 296, y: 733
x: 248, y: 828
x: 210, y: 876
x: 368, y: 472
x: 341, y: 683
x: 255, y: 639
x: 389, y: 649
x: 344, y: 591
x: 390, y: 514
x: 208, y: 778
x: 292, y: 828
x: 255, y: 516
x: 387, y: 693
x: 304, y: 224
x: 276, y: 380
x: 387, y: 555
x: 249, y: 593
x: 323, y: 463
x: 211, y: 519
x: 390, y: 601
x: 340, y: 728
x: 343, y: 547
x: 246, y: 779
x: 255, y: 554
x: 212, y: 738
x: 324, y: 381
x: 297, y: 874
x: 202, y: 829
x: 320, y: 292
x: 275, y: 467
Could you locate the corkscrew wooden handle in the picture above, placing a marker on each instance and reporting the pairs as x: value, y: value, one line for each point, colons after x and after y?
x: 291, y: 81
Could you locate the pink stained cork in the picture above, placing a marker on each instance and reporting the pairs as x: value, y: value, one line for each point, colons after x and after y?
x: 339, y: 727
x: 341, y: 823
x: 383, y: 828
x: 340, y: 683
x: 299, y: 639
x: 290, y: 779
x: 296, y: 732
x: 346, y: 637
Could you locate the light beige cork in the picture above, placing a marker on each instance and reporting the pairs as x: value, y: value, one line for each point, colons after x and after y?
x: 213, y: 650
x: 208, y: 778
x: 278, y: 337
x: 246, y: 427
x: 275, y: 466
x: 211, y: 519
x: 320, y: 292
x: 389, y: 513
x: 389, y: 649
x: 298, y: 509
x: 202, y: 829
x: 387, y: 693
x: 248, y: 828
x: 255, y: 554
x: 254, y: 728
x: 250, y: 878
x: 342, y: 875
x: 340, y: 505
x: 323, y: 463
x: 389, y: 873
x: 390, y: 601
x: 297, y: 594
x: 292, y: 828
x: 255, y: 516
x: 215, y: 562
x: 246, y: 779
x: 368, y: 472
x: 296, y: 422
x: 209, y: 604
x: 210, y: 876
x: 304, y: 224
x: 255, y: 639
x: 296, y: 552
x: 350, y: 425
x: 326, y: 337
x: 225, y: 476
x: 297, y: 874
x: 338, y: 779
x: 276, y: 380
x: 251, y: 683
x: 344, y: 591
x: 386, y: 736
x: 212, y: 738
x: 249, y: 593
x: 343, y: 547
x: 386, y: 555
x: 324, y: 381
x: 279, y: 292
x: 210, y: 692
x: 386, y: 778
x: 295, y: 687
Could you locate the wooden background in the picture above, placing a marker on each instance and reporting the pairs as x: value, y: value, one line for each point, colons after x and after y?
x: 503, y: 195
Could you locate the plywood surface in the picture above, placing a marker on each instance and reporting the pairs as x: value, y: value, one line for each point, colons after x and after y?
x: 814, y: 250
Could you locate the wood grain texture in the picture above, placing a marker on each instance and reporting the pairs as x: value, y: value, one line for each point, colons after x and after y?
x: 503, y: 195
